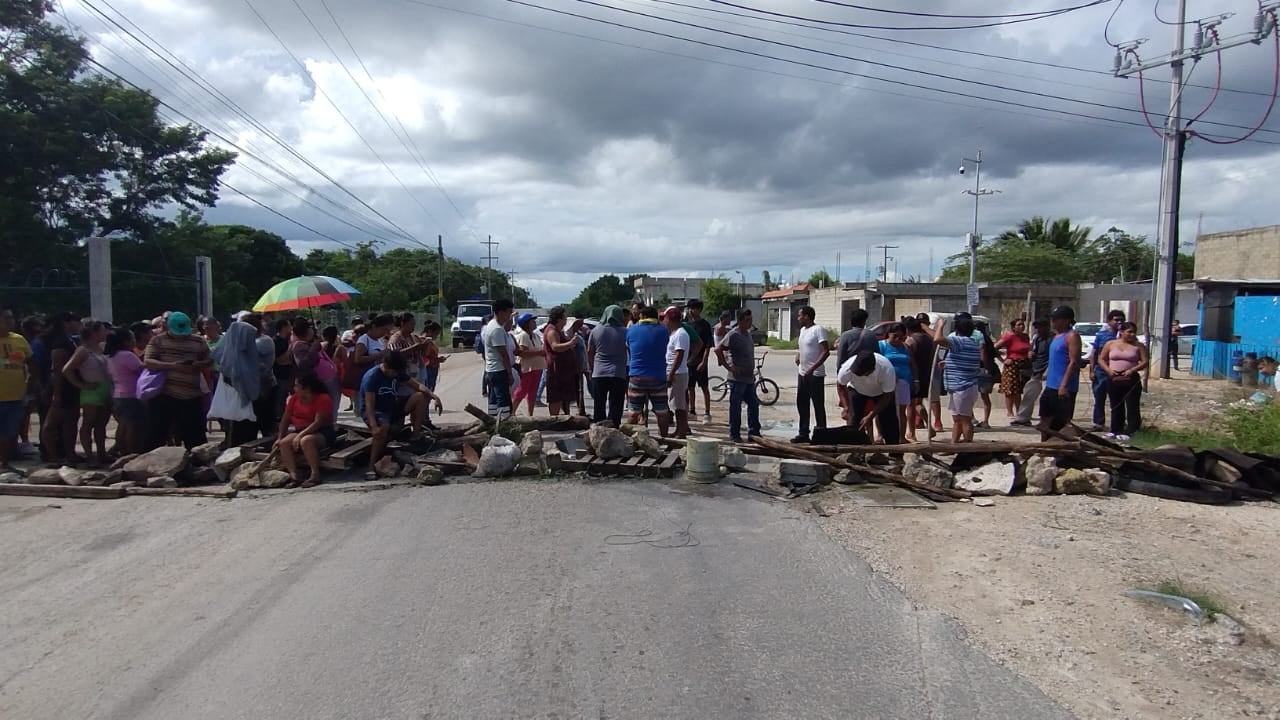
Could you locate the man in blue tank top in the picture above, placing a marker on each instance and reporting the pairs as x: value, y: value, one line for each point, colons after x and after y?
x: 1062, y: 378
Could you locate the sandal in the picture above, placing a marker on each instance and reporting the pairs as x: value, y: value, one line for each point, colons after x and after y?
x: 370, y: 476
x: 311, y: 482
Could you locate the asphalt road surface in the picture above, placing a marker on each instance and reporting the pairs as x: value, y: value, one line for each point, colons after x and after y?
x: 496, y: 600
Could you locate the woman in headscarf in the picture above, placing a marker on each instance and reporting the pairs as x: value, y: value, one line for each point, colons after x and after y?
x: 238, y: 365
x: 607, y: 360
x: 532, y: 360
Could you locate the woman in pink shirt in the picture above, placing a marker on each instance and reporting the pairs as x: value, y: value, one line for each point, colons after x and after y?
x: 1123, y: 360
x: 130, y: 412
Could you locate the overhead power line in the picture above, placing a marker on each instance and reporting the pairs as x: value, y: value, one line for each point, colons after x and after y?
x: 177, y: 64
x: 930, y: 46
x: 971, y: 26
x: 866, y: 61
x: 912, y: 13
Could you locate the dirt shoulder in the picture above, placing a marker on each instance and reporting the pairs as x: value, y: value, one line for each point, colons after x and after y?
x: 1037, y: 583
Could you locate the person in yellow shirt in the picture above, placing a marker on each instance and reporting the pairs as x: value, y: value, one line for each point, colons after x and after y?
x: 15, y: 353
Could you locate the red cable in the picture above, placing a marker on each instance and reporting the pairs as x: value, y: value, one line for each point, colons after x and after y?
x: 1142, y: 95
x: 1275, y: 89
x: 1217, y: 86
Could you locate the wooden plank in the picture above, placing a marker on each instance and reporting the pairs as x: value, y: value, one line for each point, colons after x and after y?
x: 84, y: 492
x: 648, y: 467
x: 632, y: 465
x: 667, y: 468
x: 348, y: 454
x: 248, y: 449
x: 614, y: 466
x: 213, y: 492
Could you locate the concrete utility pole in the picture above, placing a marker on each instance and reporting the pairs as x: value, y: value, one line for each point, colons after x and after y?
x: 974, y: 238
x: 489, y: 256
x: 204, y: 286
x: 1207, y: 41
x: 440, y: 279
x: 100, y: 278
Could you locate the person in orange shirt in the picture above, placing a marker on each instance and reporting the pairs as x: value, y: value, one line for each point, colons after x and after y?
x: 309, y: 412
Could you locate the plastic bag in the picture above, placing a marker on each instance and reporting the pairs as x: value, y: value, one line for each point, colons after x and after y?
x: 150, y: 383
x: 228, y: 404
x: 500, y: 457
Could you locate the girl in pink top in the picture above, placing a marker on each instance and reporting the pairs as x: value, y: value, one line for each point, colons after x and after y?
x: 130, y: 412
x: 1123, y: 360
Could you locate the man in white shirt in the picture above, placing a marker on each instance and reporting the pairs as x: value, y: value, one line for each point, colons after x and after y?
x: 815, y: 348
x: 499, y: 365
x: 678, y: 344
x: 870, y: 376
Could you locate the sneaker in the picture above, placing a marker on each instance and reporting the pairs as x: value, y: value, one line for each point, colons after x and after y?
x: 1111, y: 436
x: 27, y: 449
x: 706, y: 419
x: 1123, y: 438
x: 800, y: 439
x: 1020, y: 423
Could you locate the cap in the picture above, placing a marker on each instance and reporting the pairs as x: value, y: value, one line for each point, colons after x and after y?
x: 671, y: 313
x: 348, y: 336
x: 1063, y: 312
x: 523, y: 318
x: 962, y: 315
x: 356, y: 320
x: 179, y: 324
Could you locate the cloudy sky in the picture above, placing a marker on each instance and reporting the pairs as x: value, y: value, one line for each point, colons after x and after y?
x: 585, y: 148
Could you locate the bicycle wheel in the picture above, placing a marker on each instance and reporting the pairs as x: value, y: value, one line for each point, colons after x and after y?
x: 767, y: 390
x: 719, y: 388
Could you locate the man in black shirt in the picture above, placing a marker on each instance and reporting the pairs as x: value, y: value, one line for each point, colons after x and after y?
x: 283, y: 367
x: 1039, y: 366
x: 698, y: 362
x: 853, y: 341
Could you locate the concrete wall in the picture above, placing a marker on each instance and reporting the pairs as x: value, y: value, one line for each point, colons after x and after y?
x: 1096, y: 300
x: 1252, y: 254
x: 649, y: 289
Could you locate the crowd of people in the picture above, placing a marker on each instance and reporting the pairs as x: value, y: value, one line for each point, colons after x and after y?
x: 166, y: 381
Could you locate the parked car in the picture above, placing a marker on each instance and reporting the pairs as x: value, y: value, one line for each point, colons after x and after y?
x: 1088, y: 331
x: 1187, y: 340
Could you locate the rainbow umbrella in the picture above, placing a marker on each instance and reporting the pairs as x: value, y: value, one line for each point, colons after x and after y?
x: 304, y: 292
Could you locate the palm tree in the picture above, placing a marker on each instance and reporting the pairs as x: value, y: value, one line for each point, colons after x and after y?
x: 1059, y: 234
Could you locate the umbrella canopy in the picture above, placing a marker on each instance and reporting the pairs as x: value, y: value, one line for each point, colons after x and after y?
x: 304, y: 292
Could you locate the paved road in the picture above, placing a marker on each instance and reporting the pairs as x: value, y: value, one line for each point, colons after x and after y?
x: 502, y: 600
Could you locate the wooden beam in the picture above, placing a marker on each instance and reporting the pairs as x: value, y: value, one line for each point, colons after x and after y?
x: 798, y: 453
x: 213, y: 492
x: 83, y: 492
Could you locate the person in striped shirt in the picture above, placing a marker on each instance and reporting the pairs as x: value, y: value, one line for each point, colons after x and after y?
x: 960, y: 373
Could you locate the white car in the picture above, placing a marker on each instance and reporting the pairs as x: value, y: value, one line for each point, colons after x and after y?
x: 1088, y: 330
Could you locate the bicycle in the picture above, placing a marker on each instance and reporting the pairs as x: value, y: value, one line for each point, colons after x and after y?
x: 767, y: 390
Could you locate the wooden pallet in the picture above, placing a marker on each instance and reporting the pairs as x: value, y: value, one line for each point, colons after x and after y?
x: 634, y: 466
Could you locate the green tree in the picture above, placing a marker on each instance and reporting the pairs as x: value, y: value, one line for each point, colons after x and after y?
x: 821, y: 279
x: 1037, y: 251
x: 604, y: 291
x: 84, y: 155
x: 766, y: 279
x: 1057, y: 233
x: 1119, y: 256
x: 718, y: 296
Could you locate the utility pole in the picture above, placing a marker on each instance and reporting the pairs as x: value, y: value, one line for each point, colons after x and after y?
x: 100, y: 278
x: 440, y: 279
x: 971, y: 292
x: 1207, y: 40
x: 884, y: 269
x: 490, y: 257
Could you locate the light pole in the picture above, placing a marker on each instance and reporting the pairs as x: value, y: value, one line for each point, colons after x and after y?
x: 742, y: 289
x: 977, y: 192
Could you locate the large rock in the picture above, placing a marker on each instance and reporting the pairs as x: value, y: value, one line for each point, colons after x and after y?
x: 803, y: 472
x: 1083, y: 482
x: 430, y: 475
x: 122, y: 461
x: 645, y: 443
x: 161, y: 481
x: 72, y: 476
x: 206, y: 453
x: 195, y: 475
x: 46, y: 476
x: 531, y: 444
x: 227, y: 462
x: 1041, y: 472
x: 995, y: 478
x: 387, y: 467
x: 500, y: 457
x: 166, y: 461
x: 608, y: 443
x: 922, y: 471
x: 241, y: 479
x: 733, y: 458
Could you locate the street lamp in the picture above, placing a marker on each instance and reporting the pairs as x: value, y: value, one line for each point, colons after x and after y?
x: 742, y: 289
x: 977, y: 192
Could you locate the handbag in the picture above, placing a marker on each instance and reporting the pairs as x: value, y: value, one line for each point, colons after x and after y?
x: 325, y: 369
x: 229, y: 404
x: 150, y: 383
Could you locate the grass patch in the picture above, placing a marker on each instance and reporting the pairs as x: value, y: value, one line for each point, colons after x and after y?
x: 1207, y: 602
x: 778, y: 344
x: 1247, y: 429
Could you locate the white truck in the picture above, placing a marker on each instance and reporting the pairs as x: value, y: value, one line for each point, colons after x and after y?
x: 468, y: 321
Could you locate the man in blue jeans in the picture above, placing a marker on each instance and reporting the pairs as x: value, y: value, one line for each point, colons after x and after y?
x: 1099, y: 380
x: 499, y: 366
x: 737, y: 353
